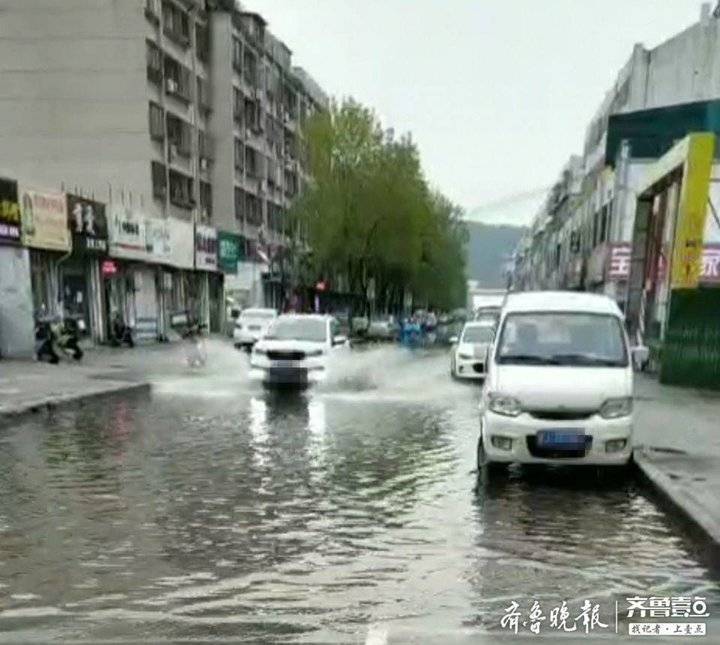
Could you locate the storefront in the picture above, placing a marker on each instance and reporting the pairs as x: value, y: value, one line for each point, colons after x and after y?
x: 177, y: 257
x: 81, y: 278
x: 16, y: 310
x: 129, y: 282
x: 46, y: 233
x: 209, y: 281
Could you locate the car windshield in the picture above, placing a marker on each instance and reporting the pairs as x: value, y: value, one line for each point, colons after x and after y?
x: 478, y: 334
x: 562, y: 338
x: 307, y: 329
x: 258, y: 315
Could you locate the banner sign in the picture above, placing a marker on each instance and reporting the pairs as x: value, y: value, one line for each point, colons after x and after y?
x: 127, y: 233
x: 9, y: 212
x: 692, y: 212
x: 44, y: 220
x: 708, y: 269
x: 206, y: 248
x: 88, y: 225
x: 157, y: 240
x: 228, y: 252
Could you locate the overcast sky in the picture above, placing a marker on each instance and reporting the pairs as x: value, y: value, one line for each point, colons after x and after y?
x: 496, y: 93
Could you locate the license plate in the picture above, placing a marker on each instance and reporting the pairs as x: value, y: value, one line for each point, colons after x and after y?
x: 283, y: 365
x: 570, y: 439
x: 254, y: 327
x: 288, y: 375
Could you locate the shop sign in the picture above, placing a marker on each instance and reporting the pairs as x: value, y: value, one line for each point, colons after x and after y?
x: 181, y: 244
x: 618, y: 261
x: 206, y: 248
x: 228, y: 252
x: 9, y: 212
x: 44, y: 220
x: 126, y: 230
x: 88, y: 225
x: 157, y: 240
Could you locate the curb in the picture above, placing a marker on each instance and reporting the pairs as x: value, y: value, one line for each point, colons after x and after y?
x: 679, y: 498
x: 48, y: 404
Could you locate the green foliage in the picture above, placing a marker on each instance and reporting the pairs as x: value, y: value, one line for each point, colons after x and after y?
x: 373, y: 225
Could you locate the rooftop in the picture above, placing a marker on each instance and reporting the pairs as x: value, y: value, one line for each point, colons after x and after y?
x: 561, y: 301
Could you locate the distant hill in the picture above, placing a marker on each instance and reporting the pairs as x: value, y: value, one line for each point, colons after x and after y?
x: 488, y: 250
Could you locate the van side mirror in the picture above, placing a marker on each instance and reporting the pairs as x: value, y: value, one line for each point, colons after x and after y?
x: 640, y: 357
x: 453, y: 340
x: 339, y: 340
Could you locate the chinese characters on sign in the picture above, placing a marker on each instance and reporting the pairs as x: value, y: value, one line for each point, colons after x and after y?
x: 618, y: 263
x: 87, y: 222
x: 9, y: 212
x: 44, y: 220
x: 644, y: 615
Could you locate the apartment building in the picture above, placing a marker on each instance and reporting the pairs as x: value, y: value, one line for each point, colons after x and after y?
x: 182, y: 116
x: 671, y: 82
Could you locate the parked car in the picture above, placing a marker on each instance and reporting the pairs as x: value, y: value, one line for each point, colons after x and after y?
x: 491, y: 314
x: 251, y: 325
x: 296, y: 350
x: 468, y: 357
x: 383, y: 329
x: 559, y: 384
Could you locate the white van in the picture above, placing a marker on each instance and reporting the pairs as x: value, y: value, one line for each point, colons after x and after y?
x: 559, y: 386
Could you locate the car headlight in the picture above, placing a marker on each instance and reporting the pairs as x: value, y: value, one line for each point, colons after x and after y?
x: 508, y: 406
x: 314, y: 352
x: 464, y: 355
x: 259, y: 350
x: 617, y: 408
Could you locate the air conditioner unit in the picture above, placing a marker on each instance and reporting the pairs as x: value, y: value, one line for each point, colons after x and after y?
x: 203, y: 163
x: 205, y: 213
x: 172, y: 152
x: 263, y: 186
x: 171, y: 85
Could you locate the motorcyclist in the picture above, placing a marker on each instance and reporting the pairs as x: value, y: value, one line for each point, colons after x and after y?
x: 120, y: 333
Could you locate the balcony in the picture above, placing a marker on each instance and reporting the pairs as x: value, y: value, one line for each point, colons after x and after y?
x: 176, y: 25
x: 181, y: 190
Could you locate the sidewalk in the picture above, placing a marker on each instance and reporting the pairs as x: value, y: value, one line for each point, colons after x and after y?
x: 677, y: 439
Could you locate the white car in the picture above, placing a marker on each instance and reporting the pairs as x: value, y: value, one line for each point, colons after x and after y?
x: 559, y: 386
x: 251, y: 325
x: 469, y: 353
x: 296, y: 350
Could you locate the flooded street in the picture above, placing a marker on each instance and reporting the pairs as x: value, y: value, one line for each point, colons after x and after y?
x: 214, y: 509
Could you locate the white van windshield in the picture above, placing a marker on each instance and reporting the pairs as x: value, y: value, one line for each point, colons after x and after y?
x: 562, y: 338
x: 478, y: 334
x: 307, y: 329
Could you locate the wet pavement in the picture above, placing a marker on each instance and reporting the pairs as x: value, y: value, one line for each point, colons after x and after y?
x: 211, y: 509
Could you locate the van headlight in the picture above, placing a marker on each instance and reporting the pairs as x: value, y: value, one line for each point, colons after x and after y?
x: 617, y: 408
x: 259, y: 350
x: 508, y: 406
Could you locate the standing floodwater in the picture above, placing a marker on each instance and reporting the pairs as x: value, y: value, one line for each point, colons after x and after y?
x: 214, y: 509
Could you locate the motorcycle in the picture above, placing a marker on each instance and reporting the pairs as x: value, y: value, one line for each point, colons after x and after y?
x: 67, y: 338
x: 120, y: 333
x: 45, y: 342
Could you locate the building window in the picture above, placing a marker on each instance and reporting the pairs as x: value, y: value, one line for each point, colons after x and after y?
x: 154, y: 62
x: 159, y: 180
x: 152, y: 11
x: 237, y: 55
x: 251, y: 110
x: 206, y: 199
x: 177, y: 80
x: 239, y: 204
x: 275, y: 217
x: 178, y: 134
x: 176, y: 24
x: 250, y: 67
x: 203, y: 93
x: 157, y: 122
x: 252, y: 162
x: 253, y: 209
x: 202, y: 42
x: 238, y: 107
x: 239, y: 155
x: 181, y: 190
x: 205, y: 147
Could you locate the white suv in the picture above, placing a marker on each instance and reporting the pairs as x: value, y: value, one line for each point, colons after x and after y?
x: 559, y: 386
x: 251, y: 325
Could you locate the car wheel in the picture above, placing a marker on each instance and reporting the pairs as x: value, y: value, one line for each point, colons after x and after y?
x: 485, y: 467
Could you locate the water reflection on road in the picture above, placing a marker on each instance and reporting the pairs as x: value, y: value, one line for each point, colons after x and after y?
x: 214, y: 509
